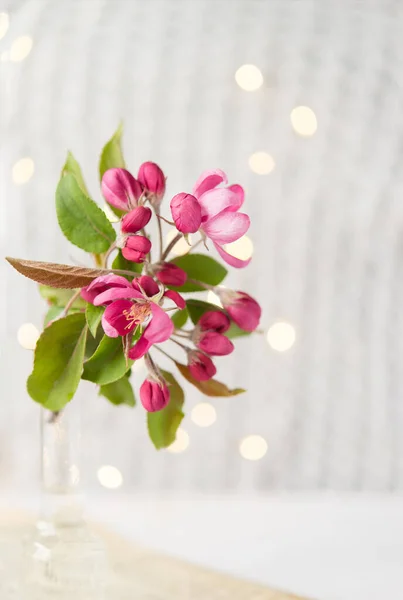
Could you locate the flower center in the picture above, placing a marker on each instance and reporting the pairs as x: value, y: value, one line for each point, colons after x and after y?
x: 137, y: 314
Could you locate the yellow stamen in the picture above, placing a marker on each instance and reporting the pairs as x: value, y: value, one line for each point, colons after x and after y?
x: 137, y: 314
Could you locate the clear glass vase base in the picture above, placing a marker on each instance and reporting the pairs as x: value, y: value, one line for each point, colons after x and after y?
x: 64, y: 563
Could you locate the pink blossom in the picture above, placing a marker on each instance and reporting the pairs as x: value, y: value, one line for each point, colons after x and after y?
x: 201, y: 366
x: 136, y: 248
x: 120, y: 189
x: 101, y: 284
x: 221, y: 221
x: 154, y: 395
x: 152, y: 179
x: 136, y: 219
x: 208, y: 334
x: 137, y: 305
x: 214, y: 320
x: 214, y: 211
x: 242, y: 308
x: 170, y: 274
x: 186, y: 212
x: 214, y: 343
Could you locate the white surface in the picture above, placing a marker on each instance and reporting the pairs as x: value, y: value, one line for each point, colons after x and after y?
x: 326, y: 547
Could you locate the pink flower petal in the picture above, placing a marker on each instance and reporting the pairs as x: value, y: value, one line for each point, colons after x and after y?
x: 120, y: 189
x: 231, y: 260
x: 160, y: 328
x: 175, y: 297
x: 214, y: 320
x: 140, y: 348
x: 146, y: 283
x: 114, y: 321
x: 215, y: 201
x: 102, y: 283
x: 215, y: 344
x: 209, y: 180
x: 116, y: 294
x: 226, y: 227
x: 240, y: 194
x: 186, y: 213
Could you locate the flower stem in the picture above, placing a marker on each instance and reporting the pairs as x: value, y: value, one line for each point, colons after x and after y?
x: 170, y: 246
x: 206, y: 286
x: 107, y: 254
x: 165, y: 353
x: 160, y: 235
x: 180, y: 344
x: 196, y: 244
x: 123, y: 272
x: 71, y: 302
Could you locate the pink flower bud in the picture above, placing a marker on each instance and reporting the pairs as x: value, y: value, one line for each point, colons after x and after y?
x: 136, y: 219
x: 214, y: 320
x: 201, y: 366
x: 215, y: 344
x: 152, y: 179
x: 186, y: 212
x: 120, y: 189
x: 170, y: 274
x: 242, y: 309
x: 136, y: 248
x: 154, y: 395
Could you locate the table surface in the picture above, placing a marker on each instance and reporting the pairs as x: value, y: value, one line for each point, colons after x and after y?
x: 322, y: 546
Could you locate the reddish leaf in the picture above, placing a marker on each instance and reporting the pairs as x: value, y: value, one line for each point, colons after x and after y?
x: 212, y: 387
x: 55, y: 275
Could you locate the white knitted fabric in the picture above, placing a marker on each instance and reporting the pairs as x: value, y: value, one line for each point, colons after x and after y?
x: 326, y: 223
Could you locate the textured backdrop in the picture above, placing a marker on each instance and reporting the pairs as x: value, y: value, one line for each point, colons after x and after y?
x: 326, y: 222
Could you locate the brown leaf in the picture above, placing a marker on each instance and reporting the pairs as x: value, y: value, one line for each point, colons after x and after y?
x: 212, y: 387
x: 55, y: 275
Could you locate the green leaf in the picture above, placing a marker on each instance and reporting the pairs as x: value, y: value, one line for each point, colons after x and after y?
x: 83, y: 223
x: 120, y: 262
x: 60, y: 297
x: 108, y: 363
x: 212, y: 387
x: 119, y: 392
x: 72, y: 167
x: 200, y: 267
x: 163, y: 425
x: 234, y: 331
x: 180, y: 317
x: 93, y: 343
x: 112, y: 158
x: 112, y: 155
x: 197, y: 308
x: 93, y: 315
x: 55, y: 312
x: 58, y: 363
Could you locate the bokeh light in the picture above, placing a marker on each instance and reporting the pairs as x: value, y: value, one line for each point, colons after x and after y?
x: 261, y: 163
x: 203, y: 414
x: 20, y: 48
x: 253, y: 447
x: 181, y: 442
x: 242, y: 248
x: 27, y: 336
x: 249, y: 78
x: 303, y: 121
x: 110, y: 477
x: 281, y: 336
x: 23, y: 170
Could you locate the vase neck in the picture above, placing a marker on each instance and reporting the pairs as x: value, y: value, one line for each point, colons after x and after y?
x: 61, y: 464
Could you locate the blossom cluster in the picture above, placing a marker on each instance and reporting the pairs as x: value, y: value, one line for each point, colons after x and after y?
x: 138, y: 310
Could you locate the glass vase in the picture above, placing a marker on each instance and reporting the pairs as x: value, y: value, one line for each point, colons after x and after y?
x: 64, y: 560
